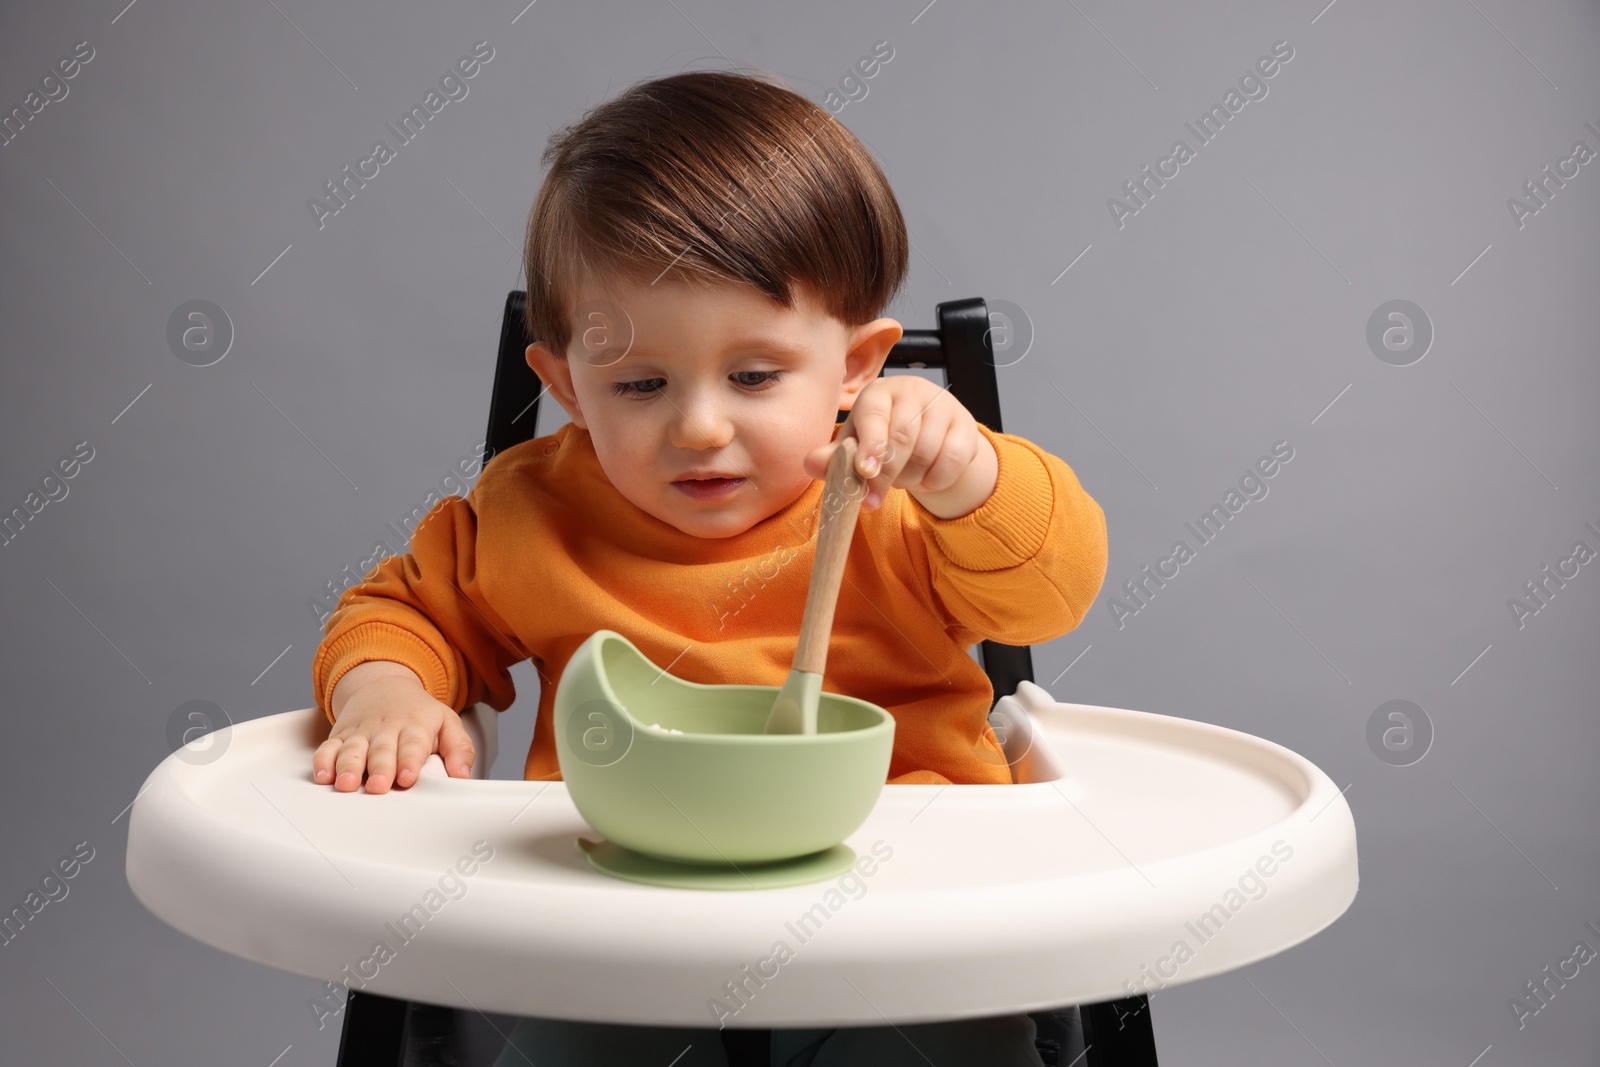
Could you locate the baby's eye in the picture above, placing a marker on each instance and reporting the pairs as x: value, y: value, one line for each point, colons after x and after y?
x: 757, y: 380
x: 627, y: 388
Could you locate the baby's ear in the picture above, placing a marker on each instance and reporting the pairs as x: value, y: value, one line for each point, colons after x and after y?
x: 537, y: 355
x: 866, y: 351
x: 556, y: 374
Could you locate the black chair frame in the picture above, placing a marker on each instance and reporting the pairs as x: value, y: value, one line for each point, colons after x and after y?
x: 381, y: 1031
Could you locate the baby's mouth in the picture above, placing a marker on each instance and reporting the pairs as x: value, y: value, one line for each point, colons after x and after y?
x: 708, y: 488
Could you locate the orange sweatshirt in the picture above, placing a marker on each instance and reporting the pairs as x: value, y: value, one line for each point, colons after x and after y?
x: 544, y: 551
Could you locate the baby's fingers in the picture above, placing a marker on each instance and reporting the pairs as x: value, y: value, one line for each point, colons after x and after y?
x: 415, y: 747
x: 322, y: 759
x: 455, y: 747
x: 348, y: 756
x: 869, y: 424
x: 330, y: 759
x: 380, y: 759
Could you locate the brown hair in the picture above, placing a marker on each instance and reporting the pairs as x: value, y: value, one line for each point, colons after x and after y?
x: 724, y: 177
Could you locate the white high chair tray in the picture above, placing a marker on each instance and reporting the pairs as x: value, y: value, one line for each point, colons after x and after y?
x: 1170, y: 850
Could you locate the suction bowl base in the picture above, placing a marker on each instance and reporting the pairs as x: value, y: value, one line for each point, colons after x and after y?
x: 611, y: 858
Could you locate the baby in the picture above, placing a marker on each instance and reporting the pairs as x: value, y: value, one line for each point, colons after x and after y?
x: 706, y: 263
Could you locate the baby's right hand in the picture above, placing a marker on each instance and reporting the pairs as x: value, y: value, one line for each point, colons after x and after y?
x: 383, y: 716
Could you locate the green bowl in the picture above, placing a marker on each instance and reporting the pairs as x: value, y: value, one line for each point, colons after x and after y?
x: 722, y: 791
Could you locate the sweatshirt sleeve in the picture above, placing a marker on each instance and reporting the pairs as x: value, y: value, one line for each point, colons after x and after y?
x: 1026, y: 566
x: 426, y: 609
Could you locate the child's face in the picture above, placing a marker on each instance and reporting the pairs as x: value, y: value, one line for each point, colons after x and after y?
x: 713, y: 381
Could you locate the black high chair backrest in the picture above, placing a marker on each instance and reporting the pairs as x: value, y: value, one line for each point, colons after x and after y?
x: 382, y: 1031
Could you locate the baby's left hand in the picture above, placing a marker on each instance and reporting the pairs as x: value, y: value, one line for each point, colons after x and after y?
x: 914, y: 435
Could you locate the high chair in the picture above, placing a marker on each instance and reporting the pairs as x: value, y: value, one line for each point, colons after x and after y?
x: 961, y: 346
x: 225, y: 848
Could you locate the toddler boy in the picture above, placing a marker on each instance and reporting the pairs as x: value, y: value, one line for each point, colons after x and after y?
x: 706, y: 262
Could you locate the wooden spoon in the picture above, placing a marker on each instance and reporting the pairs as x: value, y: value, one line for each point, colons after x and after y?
x: 795, y: 709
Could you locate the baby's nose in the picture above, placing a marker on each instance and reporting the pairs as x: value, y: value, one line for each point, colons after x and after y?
x: 700, y: 424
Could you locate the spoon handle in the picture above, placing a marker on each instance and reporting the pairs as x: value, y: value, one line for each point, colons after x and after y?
x: 842, y: 493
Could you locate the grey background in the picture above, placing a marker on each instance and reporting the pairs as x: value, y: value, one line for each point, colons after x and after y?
x: 1229, y: 314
